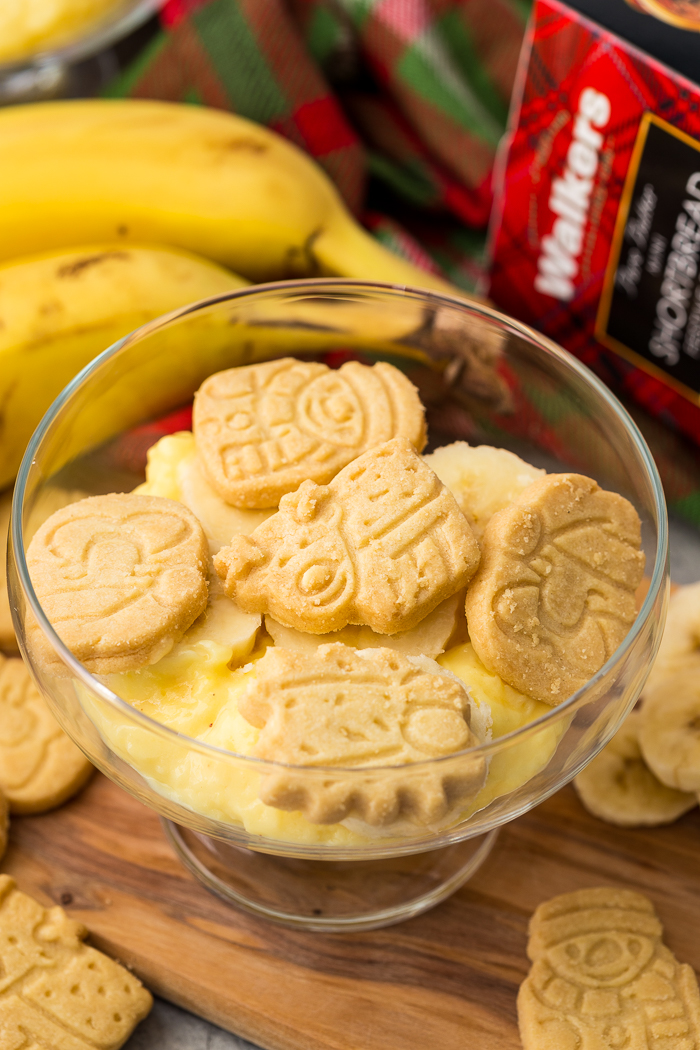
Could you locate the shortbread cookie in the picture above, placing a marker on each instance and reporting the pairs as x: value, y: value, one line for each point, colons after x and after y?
x: 8, y: 642
x: 482, y: 479
x: 263, y: 429
x: 443, y: 626
x: 120, y: 577
x: 56, y: 992
x: 619, y: 787
x: 340, y: 707
x: 601, y: 978
x: 40, y: 767
x: 554, y: 595
x: 382, y: 545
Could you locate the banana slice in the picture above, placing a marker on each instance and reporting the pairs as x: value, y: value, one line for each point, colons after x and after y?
x: 680, y: 645
x: 444, y: 626
x: 618, y: 786
x: 482, y: 479
x: 670, y: 730
x: 173, y: 471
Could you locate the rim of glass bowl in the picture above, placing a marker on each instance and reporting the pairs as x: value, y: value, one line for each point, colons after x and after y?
x: 506, y: 323
x: 125, y: 18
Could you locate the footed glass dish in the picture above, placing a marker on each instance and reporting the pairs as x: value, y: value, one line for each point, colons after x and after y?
x: 40, y: 70
x: 484, y: 378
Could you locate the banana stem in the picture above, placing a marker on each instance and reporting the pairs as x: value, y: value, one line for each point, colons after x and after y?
x: 344, y: 249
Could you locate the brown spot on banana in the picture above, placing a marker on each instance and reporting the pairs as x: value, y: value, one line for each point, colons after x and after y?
x: 74, y: 268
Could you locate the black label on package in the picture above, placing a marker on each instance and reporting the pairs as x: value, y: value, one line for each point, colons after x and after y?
x: 650, y: 307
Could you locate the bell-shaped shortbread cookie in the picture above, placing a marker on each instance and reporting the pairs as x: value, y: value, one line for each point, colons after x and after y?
x: 382, y: 545
x: 263, y: 429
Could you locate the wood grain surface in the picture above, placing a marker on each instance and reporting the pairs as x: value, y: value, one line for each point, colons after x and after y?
x: 445, y: 980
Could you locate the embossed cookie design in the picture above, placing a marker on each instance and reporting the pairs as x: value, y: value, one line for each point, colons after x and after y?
x: 554, y: 594
x: 120, y: 577
x: 347, y: 708
x: 40, y: 767
x: 57, y: 992
x: 263, y: 429
x: 382, y: 545
x: 601, y: 978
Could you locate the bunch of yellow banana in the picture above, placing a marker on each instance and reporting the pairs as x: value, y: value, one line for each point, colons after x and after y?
x: 123, y: 171
x: 117, y: 175
x: 60, y: 310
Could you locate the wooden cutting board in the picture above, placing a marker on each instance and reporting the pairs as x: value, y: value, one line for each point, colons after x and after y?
x: 444, y: 981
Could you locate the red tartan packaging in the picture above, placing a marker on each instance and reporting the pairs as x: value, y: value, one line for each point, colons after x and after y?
x: 595, y: 239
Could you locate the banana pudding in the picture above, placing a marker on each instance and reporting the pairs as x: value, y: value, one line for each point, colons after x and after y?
x: 372, y: 618
x: 31, y: 27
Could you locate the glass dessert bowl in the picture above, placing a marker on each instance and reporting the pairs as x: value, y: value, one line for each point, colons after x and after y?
x: 172, y: 734
x: 36, y: 54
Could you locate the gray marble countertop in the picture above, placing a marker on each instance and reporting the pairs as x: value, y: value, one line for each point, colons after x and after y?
x: 169, y: 1028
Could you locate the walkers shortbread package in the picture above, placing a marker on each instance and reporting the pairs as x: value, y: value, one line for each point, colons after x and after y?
x: 596, y: 232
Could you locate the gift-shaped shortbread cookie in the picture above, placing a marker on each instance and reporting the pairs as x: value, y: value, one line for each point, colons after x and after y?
x: 120, y: 577
x: 40, y: 767
x: 340, y: 708
x: 55, y: 991
x: 601, y: 978
x: 263, y: 429
x: 382, y: 545
x: 555, y: 592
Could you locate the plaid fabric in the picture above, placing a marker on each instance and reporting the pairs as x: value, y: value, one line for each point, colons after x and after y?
x: 407, y: 97
x: 410, y: 92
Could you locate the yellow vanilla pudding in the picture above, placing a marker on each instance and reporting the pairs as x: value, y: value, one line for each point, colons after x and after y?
x: 194, y: 689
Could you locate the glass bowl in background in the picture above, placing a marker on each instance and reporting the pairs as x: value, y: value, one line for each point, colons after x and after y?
x: 484, y: 378
x: 43, y: 73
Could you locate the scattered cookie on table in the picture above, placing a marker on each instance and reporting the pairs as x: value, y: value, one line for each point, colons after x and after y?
x: 120, y: 577
x: 619, y: 787
x: 40, y: 767
x: 382, y: 545
x: 555, y: 592
x: 343, y: 707
x: 261, y: 430
x: 601, y: 978
x: 56, y: 992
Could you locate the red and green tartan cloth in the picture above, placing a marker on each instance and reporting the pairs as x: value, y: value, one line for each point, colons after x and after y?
x: 403, y: 102
x: 410, y: 96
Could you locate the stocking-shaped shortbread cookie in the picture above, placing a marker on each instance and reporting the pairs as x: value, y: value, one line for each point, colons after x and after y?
x: 602, y: 980
x: 55, y: 991
x: 382, y: 545
x: 263, y: 429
